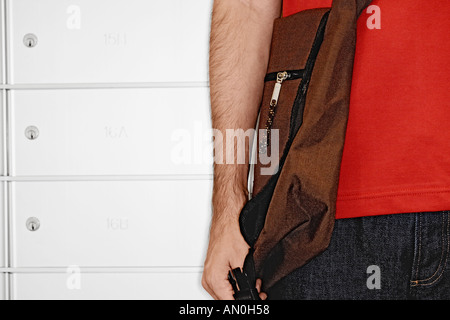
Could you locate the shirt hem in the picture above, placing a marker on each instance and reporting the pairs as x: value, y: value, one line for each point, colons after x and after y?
x: 354, y: 206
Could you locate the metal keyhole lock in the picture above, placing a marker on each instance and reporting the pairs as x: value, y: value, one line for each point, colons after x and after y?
x: 30, y: 40
x: 31, y: 133
x: 33, y: 224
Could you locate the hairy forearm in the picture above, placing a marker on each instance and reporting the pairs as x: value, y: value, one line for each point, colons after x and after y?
x: 241, y: 32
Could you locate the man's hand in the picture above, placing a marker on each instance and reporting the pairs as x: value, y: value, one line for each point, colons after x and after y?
x: 227, y: 250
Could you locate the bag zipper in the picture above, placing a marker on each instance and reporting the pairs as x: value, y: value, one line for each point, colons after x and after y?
x: 280, y: 77
x: 291, y: 75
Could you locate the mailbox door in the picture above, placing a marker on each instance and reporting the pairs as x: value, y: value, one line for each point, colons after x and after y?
x: 3, y: 287
x: 2, y: 44
x: 103, y: 41
x: 3, y: 128
x: 160, y: 285
x: 3, y: 226
x: 110, y: 223
x: 111, y: 132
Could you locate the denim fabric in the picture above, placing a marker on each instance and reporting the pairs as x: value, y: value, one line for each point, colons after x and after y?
x: 391, y: 257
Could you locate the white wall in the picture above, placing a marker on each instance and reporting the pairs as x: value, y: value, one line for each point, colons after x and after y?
x: 104, y: 148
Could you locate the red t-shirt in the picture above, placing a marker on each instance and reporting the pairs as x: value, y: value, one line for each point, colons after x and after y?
x: 397, y: 150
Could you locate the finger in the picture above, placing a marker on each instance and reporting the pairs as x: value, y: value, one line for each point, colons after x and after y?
x: 221, y: 294
x: 258, y: 284
x: 212, y: 294
x: 218, y: 288
x: 224, y: 290
x: 262, y: 295
x: 208, y: 289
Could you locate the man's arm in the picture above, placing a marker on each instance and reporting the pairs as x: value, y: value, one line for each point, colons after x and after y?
x: 241, y: 32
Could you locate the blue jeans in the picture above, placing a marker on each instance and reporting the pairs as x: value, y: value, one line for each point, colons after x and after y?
x: 391, y: 257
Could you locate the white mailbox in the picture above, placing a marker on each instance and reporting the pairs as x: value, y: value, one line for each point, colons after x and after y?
x: 106, y: 151
x: 109, y: 286
x: 110, y: 224
x: 111, y: 132
x: 103, y: 41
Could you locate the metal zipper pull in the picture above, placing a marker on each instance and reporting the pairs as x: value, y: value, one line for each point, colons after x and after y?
x: 276, y: 90
x: 265, y: 141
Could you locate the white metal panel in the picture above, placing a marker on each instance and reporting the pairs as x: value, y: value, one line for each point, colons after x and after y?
x: 85, y: 41
x: 109, y: 286
x: 3, y: 125
x: 3, y: 288
x: 107, y: 223
x: 2, y: 43
x: 112, y: 132
x: 3, y: 233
